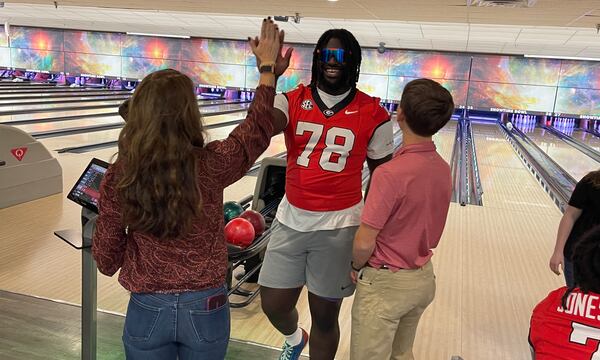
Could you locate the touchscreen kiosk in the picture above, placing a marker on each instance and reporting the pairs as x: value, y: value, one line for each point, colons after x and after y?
x: 86, y: 191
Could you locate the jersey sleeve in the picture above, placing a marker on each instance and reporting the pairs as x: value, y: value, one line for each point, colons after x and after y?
x: 381, y: 143
x: 282, y: 103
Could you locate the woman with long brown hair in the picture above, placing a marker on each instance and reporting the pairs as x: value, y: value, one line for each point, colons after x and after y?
x: 161, y: 210
x: 582, y: 213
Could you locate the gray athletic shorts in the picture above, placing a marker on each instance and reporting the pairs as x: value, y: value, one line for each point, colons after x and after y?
x: 318, y: 259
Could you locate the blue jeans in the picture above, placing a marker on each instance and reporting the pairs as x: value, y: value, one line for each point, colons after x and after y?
x: 568, y: 271
x: 185, y: 326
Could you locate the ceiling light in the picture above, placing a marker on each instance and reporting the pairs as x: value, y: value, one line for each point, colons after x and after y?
x: 161, y: 35
x: 502, y: 3
x: 562, y: 57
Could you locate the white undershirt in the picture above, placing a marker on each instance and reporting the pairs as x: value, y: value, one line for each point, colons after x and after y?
x: 380, y: 146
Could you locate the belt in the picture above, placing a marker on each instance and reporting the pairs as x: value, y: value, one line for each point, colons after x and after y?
x: 380, y: 267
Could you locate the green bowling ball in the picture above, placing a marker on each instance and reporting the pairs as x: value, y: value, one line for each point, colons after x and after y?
x: 231, y: 210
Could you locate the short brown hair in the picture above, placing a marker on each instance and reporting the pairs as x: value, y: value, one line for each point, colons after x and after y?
x: 427, y: 106
x: 593, y: 178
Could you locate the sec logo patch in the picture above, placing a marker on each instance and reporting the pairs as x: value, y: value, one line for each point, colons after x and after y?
x: 307, y: 105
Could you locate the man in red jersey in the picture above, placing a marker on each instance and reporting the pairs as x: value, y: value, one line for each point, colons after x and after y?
x: 331, y: 128
x: 566, y: 324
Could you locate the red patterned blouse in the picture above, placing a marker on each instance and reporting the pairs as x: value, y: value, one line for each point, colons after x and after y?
x: 198, y: 260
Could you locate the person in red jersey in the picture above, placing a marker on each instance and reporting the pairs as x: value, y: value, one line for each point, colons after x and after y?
x: 566, y: 324
x: 331, y: 128
x: 160, y: 216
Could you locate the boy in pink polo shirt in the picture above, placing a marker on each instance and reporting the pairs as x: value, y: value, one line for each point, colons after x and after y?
x: 403, y: 219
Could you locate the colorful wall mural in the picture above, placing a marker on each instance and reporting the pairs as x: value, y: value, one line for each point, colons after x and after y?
x: 492, y: 82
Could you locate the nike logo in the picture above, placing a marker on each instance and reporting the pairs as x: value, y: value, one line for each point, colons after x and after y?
x: 347, y: 286
x: 350, y: 112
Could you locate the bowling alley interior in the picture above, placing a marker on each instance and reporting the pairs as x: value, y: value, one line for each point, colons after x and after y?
x: 524, y: 76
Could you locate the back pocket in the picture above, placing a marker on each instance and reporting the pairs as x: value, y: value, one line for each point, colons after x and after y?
x: 140, y: 320
x: 211, y: 326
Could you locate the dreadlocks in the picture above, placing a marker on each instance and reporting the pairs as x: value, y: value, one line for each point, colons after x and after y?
x: 353, y: 60
x: 586, y: 264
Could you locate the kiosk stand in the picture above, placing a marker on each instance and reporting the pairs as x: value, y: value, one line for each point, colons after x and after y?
x: 86, y: 193
x: 83, y: 241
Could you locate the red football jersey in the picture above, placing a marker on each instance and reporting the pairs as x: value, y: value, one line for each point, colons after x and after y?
x: 326, y: 148
x: 571, y: 333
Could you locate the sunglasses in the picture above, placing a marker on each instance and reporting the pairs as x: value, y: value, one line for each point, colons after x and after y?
x: 339, y: 55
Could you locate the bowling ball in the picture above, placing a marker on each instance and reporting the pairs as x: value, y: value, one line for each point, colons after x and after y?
x: 231, y: 210
x: 256, y: 219
x: 239, y: 232
x: 509, y: 126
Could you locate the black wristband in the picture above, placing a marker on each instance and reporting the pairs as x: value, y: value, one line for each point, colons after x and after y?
x: 353, y: 268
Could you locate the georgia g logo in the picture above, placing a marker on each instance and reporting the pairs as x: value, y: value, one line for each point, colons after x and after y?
x: 307, y: 105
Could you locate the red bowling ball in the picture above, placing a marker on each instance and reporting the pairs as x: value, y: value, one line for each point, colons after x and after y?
x: 256, y: 219
x: 239, y: 232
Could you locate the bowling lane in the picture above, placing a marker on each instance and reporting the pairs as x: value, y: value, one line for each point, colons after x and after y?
x: 5, y: 103
x: 53, y: 95
x: 9, y: 83
x: 585, y: 137
x: 573, y: 161
x: 60, y: 142
x: 14, y: 105
x: 276, y: 146
x: 59, y: 125
x: 50, y: 105
x: 506, y: 182
x: 56, y: 90
x: 444, y: 140
x: 75, y: 111
x: 206, y: 111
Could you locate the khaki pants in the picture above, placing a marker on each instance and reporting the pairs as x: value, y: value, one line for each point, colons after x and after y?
x: 386, y: 311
